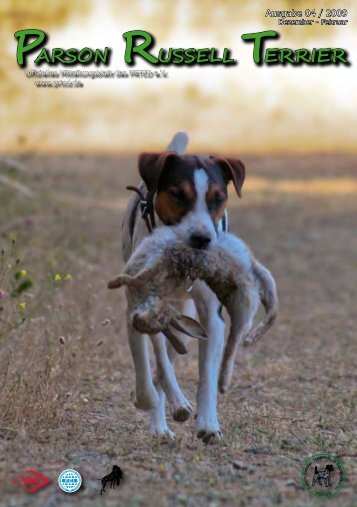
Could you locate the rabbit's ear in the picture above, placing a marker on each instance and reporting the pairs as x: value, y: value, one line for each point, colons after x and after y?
x: 175, y: 340
x: 189, y: 326
x: 121, y: 280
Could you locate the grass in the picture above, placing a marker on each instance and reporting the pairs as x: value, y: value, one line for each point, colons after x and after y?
x: 65, y: 368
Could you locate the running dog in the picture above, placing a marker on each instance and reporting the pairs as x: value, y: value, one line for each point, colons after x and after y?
x: 189, y: 190
x: 114, y: 478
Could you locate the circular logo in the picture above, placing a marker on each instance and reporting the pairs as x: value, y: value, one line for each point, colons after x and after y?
x: 323, y: 475
x: 69, y: 480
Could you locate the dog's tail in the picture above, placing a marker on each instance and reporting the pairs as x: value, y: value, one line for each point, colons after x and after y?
x: 269, y: 299
x: 179, y: 143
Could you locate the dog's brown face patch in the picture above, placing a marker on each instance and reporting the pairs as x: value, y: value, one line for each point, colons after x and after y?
x: 176, y: 193
x: 216, y: 199
x: 173, y: 203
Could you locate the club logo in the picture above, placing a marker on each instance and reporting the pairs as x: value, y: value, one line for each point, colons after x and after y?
x: 323, y: 475
x: 31, y: 480
x: 113, y: 478
x: 69, y: 481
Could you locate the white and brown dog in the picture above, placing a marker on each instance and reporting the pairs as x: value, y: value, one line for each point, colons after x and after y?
x: 191, y: 191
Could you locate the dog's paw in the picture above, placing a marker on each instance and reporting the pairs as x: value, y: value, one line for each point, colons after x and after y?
x: 248, y: 341
x: 208, y: 429
x: 225, y: 375
x: 182, y: 414
x: 224, y: 384
x: 145, y: 400
x: 180, y: 409
x: 210, y: 436
x: 163, y: 433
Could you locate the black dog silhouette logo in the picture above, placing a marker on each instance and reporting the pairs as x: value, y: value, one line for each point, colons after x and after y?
x: 114, y: 478
x: 323, y: 475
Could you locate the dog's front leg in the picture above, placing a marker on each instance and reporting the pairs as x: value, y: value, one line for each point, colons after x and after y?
x: 210, y: 354
x: 146, y: 396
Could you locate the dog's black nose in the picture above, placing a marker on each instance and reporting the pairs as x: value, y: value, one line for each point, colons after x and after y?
x: 200, y: 240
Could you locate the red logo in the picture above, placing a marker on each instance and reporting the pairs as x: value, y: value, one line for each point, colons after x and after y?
x: 31, y: 480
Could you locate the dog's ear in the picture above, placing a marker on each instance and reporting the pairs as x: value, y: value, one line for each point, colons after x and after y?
x: 151, y: 166
x: 233, y: 170
x: 189, y: 326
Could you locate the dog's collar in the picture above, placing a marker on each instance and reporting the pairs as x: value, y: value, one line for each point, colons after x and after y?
x: 146, y: 204
x: 225, y: 222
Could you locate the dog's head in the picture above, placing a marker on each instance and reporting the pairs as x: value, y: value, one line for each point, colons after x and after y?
x: 117, y: 470
x: 191, y: 191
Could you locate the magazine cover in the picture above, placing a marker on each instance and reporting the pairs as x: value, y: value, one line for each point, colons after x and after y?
x: 178, y: 253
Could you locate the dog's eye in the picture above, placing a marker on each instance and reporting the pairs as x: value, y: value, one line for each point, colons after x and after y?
x: 215, y: 200
x: 219, y: 198
x: 176, y: 193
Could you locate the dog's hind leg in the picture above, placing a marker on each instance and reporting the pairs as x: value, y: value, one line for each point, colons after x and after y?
x: 158, y: 425
x: 179, y: 407
x: 210, y: 354
x: 146, y: 396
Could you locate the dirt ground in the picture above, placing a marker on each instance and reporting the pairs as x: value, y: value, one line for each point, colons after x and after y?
x: 65, y: 368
